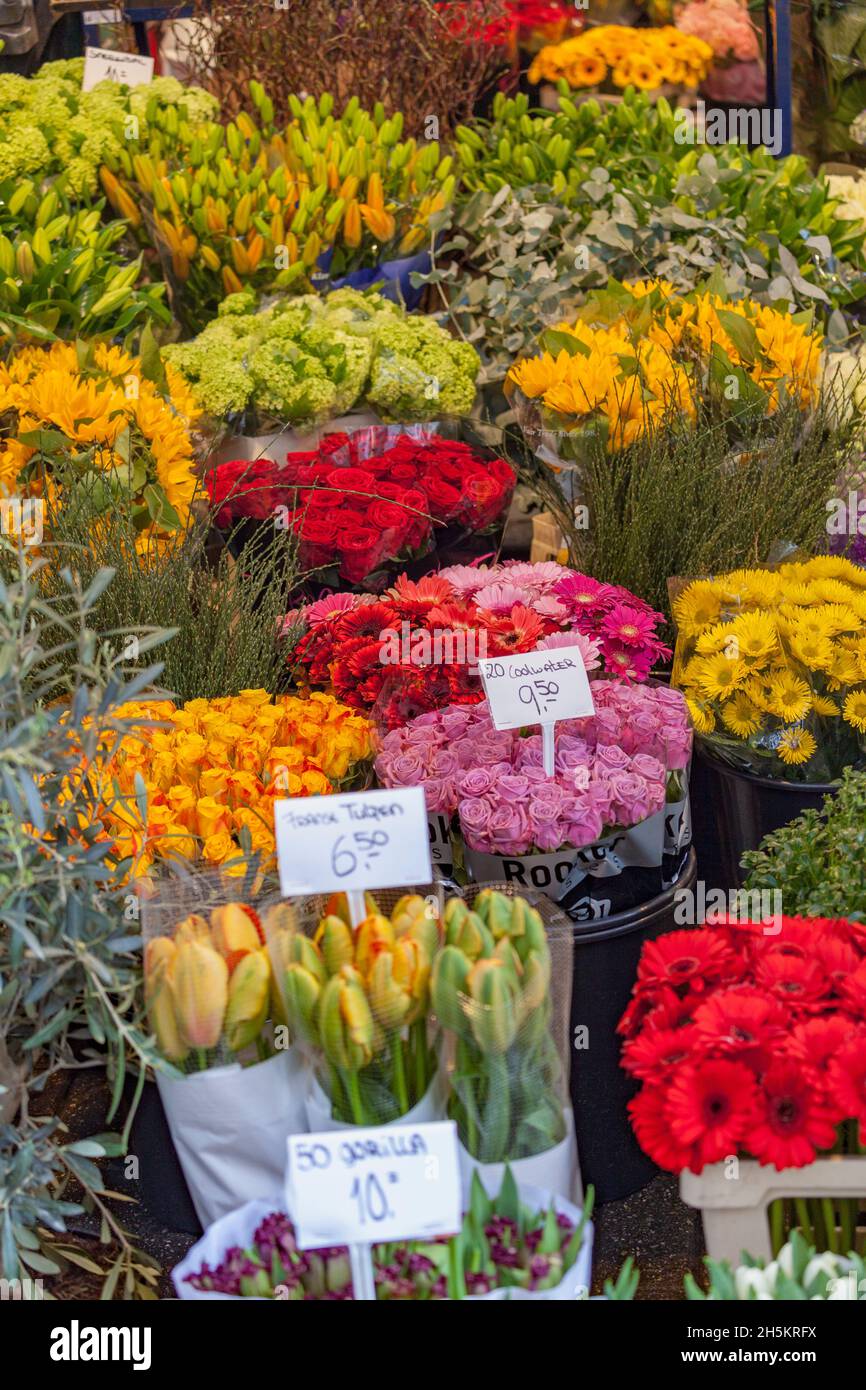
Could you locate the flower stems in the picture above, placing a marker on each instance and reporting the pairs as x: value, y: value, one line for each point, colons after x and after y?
x: 353, y: 1091
x: 401, y: 1092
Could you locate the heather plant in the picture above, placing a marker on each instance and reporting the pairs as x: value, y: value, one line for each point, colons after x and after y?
x: 69, y: 970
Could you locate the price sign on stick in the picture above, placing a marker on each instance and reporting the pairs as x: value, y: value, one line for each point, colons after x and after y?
x: 374, y: 839
x: 537, y: 688
x: 358, y: 1187
x: 134, y: 69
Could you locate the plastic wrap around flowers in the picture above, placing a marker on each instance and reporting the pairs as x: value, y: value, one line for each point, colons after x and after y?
x: 610, y: 770
x: 749, y: 1039
x: 417, y: 647
x: 360, y: 501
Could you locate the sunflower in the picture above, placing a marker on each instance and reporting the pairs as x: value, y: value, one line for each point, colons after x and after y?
x: 796, y: 746
x: 790, y: 695
x: 854, y: 711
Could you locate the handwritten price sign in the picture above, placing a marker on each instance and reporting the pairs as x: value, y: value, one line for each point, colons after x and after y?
x: 361, y: 1186
x: 536, y: 687
x: 101, y: 64
x: 373, y: 839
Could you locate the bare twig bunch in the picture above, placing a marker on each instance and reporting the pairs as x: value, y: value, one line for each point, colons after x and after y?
x: 416, y: 56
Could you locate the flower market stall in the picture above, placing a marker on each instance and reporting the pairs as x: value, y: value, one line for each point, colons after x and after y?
x: 432, y: 686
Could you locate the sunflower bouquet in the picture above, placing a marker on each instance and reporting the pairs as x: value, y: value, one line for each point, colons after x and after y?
x: 614, y: 56
x: 772, y: 663
x: 641, y: 355
x: 198, y: 782
x: 92, y: 406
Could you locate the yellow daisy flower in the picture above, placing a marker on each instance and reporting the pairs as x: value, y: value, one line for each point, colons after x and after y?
x: 854, y: 710
x: 796, y: 746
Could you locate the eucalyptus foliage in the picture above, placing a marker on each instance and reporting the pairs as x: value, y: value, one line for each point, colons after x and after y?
x: 69, y: 940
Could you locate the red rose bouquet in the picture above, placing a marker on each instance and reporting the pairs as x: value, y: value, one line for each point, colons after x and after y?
x: 417, y: 647
x: 365, y: 500
x: 750, y: 1039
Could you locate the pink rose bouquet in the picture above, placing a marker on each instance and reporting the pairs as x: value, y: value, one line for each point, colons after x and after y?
x: 612, y: 770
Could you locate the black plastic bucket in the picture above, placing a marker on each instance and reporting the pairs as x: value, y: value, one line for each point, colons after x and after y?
x: 732, y: 811
x: 163, y: 1191
x: 606, y: 954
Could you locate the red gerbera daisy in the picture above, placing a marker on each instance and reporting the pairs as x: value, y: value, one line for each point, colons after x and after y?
x: 651, y: 1055
x: 847, y: 1077
x: 518, y: 631
x: 417, y: 597
x: 651, y: 1124
x: 741, y: 1022
x: 684, y: 958
x: 854, y: 989
x: 797, y: 982
x: 710, y: 1107
x: 838, y: 958
x: 793, y: 1122
x: 817, y: 1040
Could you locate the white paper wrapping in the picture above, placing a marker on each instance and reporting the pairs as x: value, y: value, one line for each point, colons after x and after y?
x: 577, y: 1281
x: 556, y: 1170
x: 229, y: 1127
x: 430, y: 1107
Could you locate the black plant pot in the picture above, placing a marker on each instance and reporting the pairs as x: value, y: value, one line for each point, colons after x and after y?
x: 732, y: 811
x: 606, y: 954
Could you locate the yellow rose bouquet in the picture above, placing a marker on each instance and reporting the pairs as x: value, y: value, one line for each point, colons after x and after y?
x: 89, y: 406
x: 642, y: 356
x: 772, y: 663
x: 614, y: 56
x: 197, y: 782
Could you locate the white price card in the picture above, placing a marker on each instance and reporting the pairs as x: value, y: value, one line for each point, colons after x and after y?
x: 361, y: 1186
x: 112, y: 15
x: 536, y: 687
x: 102, y: 63
x: 353, y: 841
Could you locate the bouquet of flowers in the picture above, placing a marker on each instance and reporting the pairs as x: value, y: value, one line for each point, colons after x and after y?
x: 505, y: 1243
x: 773, y: 666
x: 362, y: 501
x: 303, y: 361
x: 615, y: 56
x: 737, y: 72
x: 94, y: 404
x: 340, y: 193
x: 641, y: 356
x: 208, y: 988
x: 490, y: 989
x: 417, y: 647
x: 752, y: 1042
x: 613, y: 771
x: 799, y: 1272
x: 359, y: 999
x: 197, y: 783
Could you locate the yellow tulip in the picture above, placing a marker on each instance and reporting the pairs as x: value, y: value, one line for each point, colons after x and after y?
x: 159, y: 957
x: 200, y: 984
x: 233, y: 933
x: 248, y: 998
x: 374, y: 935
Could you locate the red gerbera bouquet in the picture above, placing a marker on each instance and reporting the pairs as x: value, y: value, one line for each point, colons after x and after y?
x: 417, y: 647
x: 749, y: 1040
x: 361, y: 501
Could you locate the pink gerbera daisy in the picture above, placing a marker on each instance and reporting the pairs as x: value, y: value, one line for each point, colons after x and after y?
x: 332, y: 606
x: 628, y: 625
x: 589, y: 648
x: 500, y: 598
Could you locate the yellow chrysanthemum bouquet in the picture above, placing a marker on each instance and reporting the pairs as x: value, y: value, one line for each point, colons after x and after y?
x: 616, y: 56
x: 772, y: 663
x: 642, y: 356
x: 198, y: 782
x: 89, y: 409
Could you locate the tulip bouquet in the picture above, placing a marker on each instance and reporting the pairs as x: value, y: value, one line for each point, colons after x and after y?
x: 507, y: 1242
x: 363, y: 501
x: 753, y: 1042
x: 359, y: 999
x: 417, y: 648
x: 302, y: 361
x: 251, y: 204
x: 197, y: 782
x: 93, y: 404
x: 208, y: 988
x: 773, y: 665
x: 799, y: 1272
x: 490, y: 990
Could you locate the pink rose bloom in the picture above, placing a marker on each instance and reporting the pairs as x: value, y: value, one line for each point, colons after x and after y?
x: 509, y: 825
x: 439, y: 796
x: 647, y: 767
x: 473, y: 783
x: 423, y: 736
x: 475, y: 813
x: 535, y: 775
x: 512, y: 788
x: 578, y: 778
x: 611, y: 756
x: 585, y: 826
x: 631, y: 798
x: 599, y: 795
x: 444, y: 763
x: 407, y: 769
